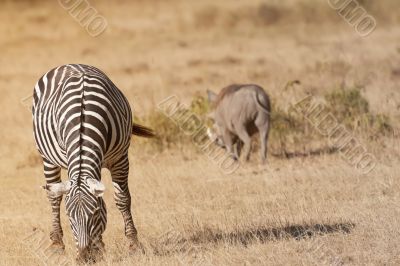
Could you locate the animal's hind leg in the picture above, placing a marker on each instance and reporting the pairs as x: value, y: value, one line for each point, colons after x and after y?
x: 238, y: 147
x: 52, y: 174
x: 119, y: 173
x: 245, y: 137
x: 264, y: 144
x: 263, y: 127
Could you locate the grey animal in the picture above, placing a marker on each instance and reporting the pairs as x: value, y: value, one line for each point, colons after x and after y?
x: 240, y: 111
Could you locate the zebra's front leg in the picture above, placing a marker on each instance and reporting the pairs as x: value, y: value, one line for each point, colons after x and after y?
x: 52, y: 174
x: 119, y: 173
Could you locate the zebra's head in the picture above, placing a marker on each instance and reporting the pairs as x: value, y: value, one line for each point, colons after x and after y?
x: 86, y: 211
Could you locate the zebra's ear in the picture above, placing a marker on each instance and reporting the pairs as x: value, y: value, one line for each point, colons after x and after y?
x: 96, y: 187
x: 57, y: 189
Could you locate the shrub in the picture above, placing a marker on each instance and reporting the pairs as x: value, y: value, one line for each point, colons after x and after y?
x: 200, y: 106
x: 169, y: 130
x: 352, y: 109
x: 288, y: 129
x: 168, y: 133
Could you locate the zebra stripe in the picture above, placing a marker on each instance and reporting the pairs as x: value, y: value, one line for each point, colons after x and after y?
x: 82, y: 122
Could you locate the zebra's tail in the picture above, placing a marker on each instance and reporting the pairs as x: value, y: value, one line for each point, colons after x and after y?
x: 142, y: 131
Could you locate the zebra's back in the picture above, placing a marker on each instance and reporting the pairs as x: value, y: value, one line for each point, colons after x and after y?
x: 80, y: 117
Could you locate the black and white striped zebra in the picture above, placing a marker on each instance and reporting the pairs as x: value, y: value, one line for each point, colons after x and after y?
x: 83, y: 122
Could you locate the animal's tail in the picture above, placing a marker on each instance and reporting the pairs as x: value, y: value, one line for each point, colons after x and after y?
x: 142, y: 131
x: 265, y: 105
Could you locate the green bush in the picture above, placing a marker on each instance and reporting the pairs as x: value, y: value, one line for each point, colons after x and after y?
x: 200, y: 106
x: 170, y: 130
x: 168, y: 133
x: 347, y: 104
x: 352, y: 109
x: 288, y: 130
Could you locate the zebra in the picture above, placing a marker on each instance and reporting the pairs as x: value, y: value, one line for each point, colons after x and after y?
x: 82, y: 122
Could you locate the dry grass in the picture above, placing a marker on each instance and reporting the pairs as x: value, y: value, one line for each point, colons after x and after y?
x: 310, y: 209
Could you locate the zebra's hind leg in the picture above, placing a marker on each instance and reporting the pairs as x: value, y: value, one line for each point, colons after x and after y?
x: 52, y: 175
x: 119, y: 174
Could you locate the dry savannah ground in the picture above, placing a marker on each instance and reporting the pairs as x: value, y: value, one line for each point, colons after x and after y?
x: 308, y: 206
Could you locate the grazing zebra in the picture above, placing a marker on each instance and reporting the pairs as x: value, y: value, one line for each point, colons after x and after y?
x: 83, y: 122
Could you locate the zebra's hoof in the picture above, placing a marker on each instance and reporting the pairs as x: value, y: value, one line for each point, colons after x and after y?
x: 58, y: 247
x: 135, y: 248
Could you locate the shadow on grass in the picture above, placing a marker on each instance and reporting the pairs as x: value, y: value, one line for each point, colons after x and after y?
x: 174, y: 242
x: 317, y: 152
